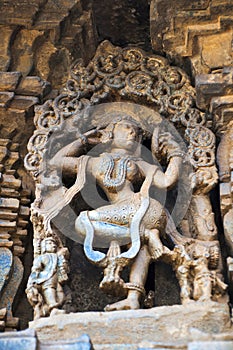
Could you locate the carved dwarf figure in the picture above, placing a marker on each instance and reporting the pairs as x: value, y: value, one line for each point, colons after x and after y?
x: 207, y: 285
x: 180, y: 261
x: 49, y: 271
x: 196, y: 268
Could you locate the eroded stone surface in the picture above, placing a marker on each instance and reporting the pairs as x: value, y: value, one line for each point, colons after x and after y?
x: 24, y: 340
x: 195, y: 30
x: 130, y: 327
x: 50, y: 35
x: 213, y: 345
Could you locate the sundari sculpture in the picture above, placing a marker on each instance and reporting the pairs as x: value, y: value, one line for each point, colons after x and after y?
x: 78, y: 139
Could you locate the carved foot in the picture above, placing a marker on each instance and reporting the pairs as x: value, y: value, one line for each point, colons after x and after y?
x: 156, y: 251
x: 113, y: 286
x: 126, y: 304
x: 186, y: 301
x: 56, y: 311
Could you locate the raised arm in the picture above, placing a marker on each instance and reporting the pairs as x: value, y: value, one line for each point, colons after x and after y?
x: 171, y: 175
x: 66, y: 158
x: 165, y: 145
x: 161, y: 179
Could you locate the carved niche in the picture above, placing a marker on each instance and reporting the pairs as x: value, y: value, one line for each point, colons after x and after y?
x: 122, y: 87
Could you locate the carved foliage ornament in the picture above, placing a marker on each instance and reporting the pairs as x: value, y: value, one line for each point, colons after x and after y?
x: 116, y: 73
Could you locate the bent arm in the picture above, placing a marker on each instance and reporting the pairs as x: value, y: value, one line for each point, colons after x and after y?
x: 37, y: 266
x: 66, y: 158
x: 171, y: 175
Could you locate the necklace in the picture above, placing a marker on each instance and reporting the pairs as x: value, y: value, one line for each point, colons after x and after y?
x: 114, y: 167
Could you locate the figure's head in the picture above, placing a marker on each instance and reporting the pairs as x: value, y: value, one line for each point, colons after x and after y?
x: 48, y: 245
x: 124, y: 132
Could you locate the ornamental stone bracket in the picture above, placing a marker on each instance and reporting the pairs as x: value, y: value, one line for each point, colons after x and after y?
x: 215, y: 93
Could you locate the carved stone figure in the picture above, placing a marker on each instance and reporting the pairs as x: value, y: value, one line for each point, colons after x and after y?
x: 131, y: 218
x: 220, y: 107
x: 196, y: 264
x: 225, y: 162
x: 205, y: 281
x: 49, y: 271
x: 78, y: 139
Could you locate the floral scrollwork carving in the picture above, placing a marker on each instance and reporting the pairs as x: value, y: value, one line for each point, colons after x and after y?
x: 130, y: 73
x: 138, y: 83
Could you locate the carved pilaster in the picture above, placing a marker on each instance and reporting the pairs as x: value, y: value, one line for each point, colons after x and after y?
x: 215, y: 92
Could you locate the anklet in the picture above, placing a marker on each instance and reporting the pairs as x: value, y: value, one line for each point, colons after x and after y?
x: 133, y: 286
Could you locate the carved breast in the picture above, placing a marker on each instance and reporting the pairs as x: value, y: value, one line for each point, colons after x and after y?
x: 112, y: 171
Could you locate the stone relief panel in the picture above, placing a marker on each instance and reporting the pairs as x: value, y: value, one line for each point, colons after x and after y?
x: 98, y: 128
x: 18, y: 95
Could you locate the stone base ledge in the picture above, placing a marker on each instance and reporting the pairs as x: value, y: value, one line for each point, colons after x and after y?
x: 171, y: 324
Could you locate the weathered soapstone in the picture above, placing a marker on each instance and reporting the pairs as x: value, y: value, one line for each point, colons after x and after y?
x: 134, y: 215
x: 174, y: 323
x: 213, y: 345
x: 24, y: 340
x: 81, y: 343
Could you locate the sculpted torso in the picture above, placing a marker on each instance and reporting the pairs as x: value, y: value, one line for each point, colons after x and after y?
x: 131, y: 218
x: 133, y: 174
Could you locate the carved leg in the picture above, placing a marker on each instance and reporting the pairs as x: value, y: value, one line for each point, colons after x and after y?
x: 182, y: 274
x: 53, y: 301
x: 112, y: 282
x: 50, y: 297
x: 137, y: 279
x: 203, y: 288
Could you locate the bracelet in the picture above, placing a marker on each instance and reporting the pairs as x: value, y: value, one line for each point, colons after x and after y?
x: 176, y: 154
